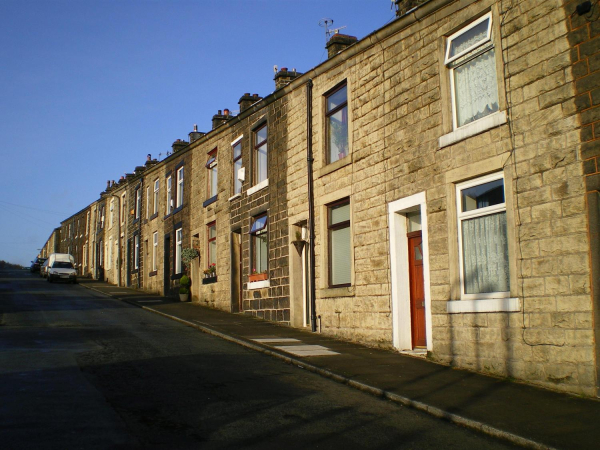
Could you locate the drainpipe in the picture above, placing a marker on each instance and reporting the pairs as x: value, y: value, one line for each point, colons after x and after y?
x: 311, y: 206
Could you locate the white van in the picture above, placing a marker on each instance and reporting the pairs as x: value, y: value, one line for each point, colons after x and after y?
x: 65, y: 257
x: 60, y: 266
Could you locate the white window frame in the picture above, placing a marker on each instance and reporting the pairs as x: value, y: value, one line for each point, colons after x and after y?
x: 178, y: 249
x: 112, y: 213
x: 147, y: 202
x: 460, y: 215
x: 213, y: 177
x: 179, y: 202
x: 155, y: 251
x: 488, y: 38
x: 234, y: 160
x: 136, y: 251
x: 156, y: 196
x: 169, y: 194
x: 138, y: 202
x: 110, y: 253
x: 448, y: 60
x: 123, y: 212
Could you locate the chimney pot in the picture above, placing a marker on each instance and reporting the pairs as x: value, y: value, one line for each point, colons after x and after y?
x: 195, y: 128
x: 220, y: 112
x: 226, y: 112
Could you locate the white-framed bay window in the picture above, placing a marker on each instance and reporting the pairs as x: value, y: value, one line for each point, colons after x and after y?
x: 470, y: 58
x: 483, y: 238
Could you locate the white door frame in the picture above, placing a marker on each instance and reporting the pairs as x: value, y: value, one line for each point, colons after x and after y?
x: 401, y: 317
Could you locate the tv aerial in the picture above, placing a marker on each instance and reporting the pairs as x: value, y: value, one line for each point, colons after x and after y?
x: 326, y: 23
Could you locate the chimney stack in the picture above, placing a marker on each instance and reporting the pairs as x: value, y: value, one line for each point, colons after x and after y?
x: 179, y: 145
x: 285, y: 77
x: 195, y: 135
x: 338, y: 43
x: 247, y: 100
x: 220, y: 118
x: 403, y: 6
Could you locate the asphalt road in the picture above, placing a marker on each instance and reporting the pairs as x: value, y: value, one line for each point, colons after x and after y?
x: 80, y: 370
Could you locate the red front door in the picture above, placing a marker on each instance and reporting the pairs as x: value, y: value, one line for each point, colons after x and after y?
x: 417, y: 289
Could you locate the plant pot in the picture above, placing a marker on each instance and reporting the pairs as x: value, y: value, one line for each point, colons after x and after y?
x: 184, y: 297
x: 258, y: 277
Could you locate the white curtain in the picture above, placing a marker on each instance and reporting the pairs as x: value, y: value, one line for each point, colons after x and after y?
x: 476, y: 88
x: 485, y: 254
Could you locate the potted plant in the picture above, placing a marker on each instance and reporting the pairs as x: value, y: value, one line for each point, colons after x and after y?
x: 184, y: 288
x: 258, y: 276
x: 187, y: 256
x: 210, y: 274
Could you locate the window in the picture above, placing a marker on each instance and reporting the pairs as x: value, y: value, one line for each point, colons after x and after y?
x: 102, y: 217
x: 178, y: 249
x: 340, y: 257
x: 258, y: 244
x: 155, y: 251
x: 260, y: 154
x: 136, y: 252
x: 470, y: 57
x: 337, y: 124
x: 110, y: 253
x: 155, y: 202
x: 211, y: 165
x: 123, y: 210
x: 138, y: 203
x: 482, y: 238
x: 169, y: 197
x: 236, y: 150
x: 116, y: 258
x: 87, y: 223
x: 211, y: 238
x: 179, y: 202
x: 147, y: 202
x: 112, y: 213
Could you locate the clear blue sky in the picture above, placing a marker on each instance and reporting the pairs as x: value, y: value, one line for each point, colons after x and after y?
x: 89, y: 87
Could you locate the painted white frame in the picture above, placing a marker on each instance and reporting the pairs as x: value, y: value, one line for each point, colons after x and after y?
x: 460, y: 216
x: 178, y: 249
x: 169, y: 193
x: 449, y: 60
x: 235, y: 175
x: 156, y: 196
x: 155, y: 251
x: 401, y: 317
x: 147, y: 202
x: 136, y: 254
x: 112, y: 213
x: 488, y: 37
x: 179, y: 187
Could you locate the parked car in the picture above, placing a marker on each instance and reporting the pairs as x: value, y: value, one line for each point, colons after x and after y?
x: 62, y: 271
x: 44, y: 269
x: 35, y: 265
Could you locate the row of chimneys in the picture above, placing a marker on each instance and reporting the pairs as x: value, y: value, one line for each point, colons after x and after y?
x: 283, y: 77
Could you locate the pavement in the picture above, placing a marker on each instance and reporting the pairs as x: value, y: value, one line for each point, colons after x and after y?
x: 524, y: 415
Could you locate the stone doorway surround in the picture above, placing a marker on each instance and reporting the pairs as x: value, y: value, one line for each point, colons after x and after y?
x: 401, y: 318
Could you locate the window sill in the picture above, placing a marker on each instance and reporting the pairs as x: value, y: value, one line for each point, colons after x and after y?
x: 479, y: 126
x: 337, y: 292
x: 484, y: 306
x: 153, y: 216
x: 258, y: 284
x: 332, y: 167
x: 153, y: 273
x: 257, y: 187
x: 238, y: 195
x: 210, y: 201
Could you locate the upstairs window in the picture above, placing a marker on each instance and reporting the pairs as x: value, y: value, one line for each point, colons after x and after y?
x: 112, y: 213
x: 337, y: 124
x: 123, y: 210
x: 155, y: 251
x: 260, y: 154
x: 211, y: 166
x: 155, y: 198
x: 236, y: 150
x: 179, y: 202
x: 169, y: 195
x: 138, y: 203
x: 470, y: 58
